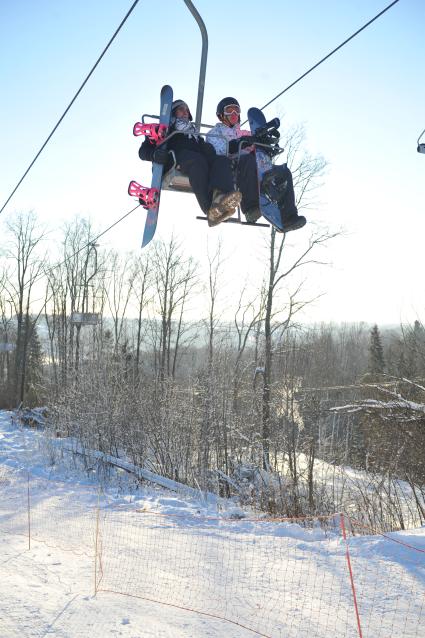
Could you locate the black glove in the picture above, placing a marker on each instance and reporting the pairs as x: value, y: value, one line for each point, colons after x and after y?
x: 246, y: 140
x: 161, y: 156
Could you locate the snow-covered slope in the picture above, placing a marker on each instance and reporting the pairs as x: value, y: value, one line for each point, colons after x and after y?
x: 166, y: 555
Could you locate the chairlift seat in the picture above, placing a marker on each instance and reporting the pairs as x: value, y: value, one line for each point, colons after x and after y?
x: 7, y: 347
x: 85, y: 318
x: 175, y: 180
x: 238, y: 220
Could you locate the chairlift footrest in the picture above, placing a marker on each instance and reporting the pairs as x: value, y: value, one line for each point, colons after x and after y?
x: 233, y: 220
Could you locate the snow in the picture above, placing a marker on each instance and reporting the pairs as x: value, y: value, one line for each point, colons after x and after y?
x: 165, y: 553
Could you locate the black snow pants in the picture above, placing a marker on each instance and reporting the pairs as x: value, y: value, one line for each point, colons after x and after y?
x: 247, y: 183
x: 206, y: 172
x: 287, y: 206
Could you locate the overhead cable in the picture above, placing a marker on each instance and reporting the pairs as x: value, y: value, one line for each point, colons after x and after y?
x: 86, y: 245
x: 329, y: 54
x: 70, y: 104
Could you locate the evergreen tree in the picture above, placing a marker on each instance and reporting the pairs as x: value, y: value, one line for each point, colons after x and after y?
x: 376, y: 352
x: 34, y: 367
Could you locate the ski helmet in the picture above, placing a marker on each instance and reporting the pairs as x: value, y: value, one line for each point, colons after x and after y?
x: 176, y: 104
x: 226, y: 101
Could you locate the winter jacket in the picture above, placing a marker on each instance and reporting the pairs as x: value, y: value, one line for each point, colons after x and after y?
x: 220, y: 134
x: 177, y: 143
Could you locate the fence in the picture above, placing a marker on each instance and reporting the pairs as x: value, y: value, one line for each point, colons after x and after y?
x: 286, y: 578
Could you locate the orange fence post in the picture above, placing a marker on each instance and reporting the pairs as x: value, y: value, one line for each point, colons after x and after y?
x: 353, y: 588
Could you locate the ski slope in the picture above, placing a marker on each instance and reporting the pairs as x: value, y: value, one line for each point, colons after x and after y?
x: 183, y: 567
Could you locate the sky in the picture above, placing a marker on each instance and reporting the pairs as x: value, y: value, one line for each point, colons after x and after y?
x: 362, y: 111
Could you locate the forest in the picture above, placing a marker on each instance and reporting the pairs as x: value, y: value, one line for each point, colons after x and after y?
x: 250, y: 403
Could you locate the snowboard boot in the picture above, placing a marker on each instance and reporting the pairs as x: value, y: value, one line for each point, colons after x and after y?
x: 293, y: 222
x: 252, y: 214
x: 223, y: 206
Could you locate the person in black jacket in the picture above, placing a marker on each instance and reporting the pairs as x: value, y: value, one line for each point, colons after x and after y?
x: 210, y: 175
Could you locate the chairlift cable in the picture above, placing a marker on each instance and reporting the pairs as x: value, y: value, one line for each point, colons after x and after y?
x: 77, y: 252
x: 70, y: 104
x: 328, y: 55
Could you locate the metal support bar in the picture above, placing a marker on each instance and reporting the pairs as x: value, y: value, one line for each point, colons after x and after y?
x: 234, y: 220
x: 204, y: 55
x: 421, y: 147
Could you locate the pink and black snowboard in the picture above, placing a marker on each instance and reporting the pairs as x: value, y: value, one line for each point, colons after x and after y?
x: 149, y: 198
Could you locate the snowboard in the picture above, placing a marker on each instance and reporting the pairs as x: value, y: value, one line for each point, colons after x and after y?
x: 150, y: 197
x: 269, y: 208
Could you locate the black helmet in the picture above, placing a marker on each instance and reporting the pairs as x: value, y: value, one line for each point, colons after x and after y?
x: 226, y: 101
x: 175, y: 105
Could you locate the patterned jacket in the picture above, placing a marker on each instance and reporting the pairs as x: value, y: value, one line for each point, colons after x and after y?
x: 220, y: 135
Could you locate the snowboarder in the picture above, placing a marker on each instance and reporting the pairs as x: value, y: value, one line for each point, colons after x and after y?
x: 210, y: 175
x: 226, y: 137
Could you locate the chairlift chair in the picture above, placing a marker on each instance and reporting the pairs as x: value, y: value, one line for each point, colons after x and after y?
x: 176, y: 181
x: 7, y: 347
x: 85, y: 318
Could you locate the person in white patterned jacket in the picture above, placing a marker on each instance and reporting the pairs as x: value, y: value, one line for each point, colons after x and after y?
x: 226, y: 137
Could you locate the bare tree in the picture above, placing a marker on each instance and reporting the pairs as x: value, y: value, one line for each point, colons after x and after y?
x: 7, y: 340
x: 306, y: 173
x: 279, y: 320
x: 207, y: 382
x: 26, y: 237
x: 81, y: 270
x: 120, y: 287
x: 175, y: 279
x: 142, y: 282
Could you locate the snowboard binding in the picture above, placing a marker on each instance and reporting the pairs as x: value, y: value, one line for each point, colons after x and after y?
x: 268, y: 137
x: 155, y: 132
x: 148, y: 197
x: 270, y: 128
x: 274, y: 184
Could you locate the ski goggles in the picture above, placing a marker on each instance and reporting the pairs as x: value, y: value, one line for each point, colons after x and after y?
x: 232, y: 109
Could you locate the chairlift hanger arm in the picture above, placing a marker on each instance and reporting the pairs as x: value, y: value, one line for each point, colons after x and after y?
x: 203, y: 66
x: 421, y: 147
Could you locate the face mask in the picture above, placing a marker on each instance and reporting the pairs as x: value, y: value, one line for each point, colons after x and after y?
x: 231, y: 114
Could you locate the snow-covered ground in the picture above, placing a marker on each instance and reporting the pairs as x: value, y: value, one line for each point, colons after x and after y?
x: 181, y: 567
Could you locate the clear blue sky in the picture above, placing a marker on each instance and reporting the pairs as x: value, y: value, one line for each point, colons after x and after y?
x: 363, y: 110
